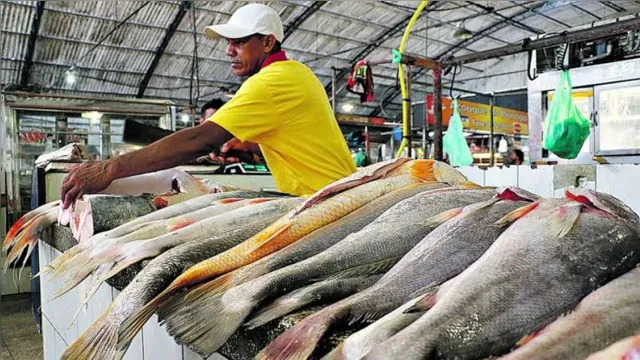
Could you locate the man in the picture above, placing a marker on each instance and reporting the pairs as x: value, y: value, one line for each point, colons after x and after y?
x: 281, y: 106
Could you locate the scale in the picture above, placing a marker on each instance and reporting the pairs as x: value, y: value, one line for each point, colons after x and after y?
x: 244, y: 169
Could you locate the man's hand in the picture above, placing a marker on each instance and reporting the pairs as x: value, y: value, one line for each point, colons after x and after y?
x: 235, y: 151
x: 85, y: 178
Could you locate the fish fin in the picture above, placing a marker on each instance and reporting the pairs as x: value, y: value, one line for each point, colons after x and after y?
x: 527, y: 338
x: 517, y: 214
x: 179, y: 224
x: 133, y: 324
x: 444, y: 216
x: 260, y: 243
x: 216, y: 286
x: 474, y: 208
x: 468, y: 185
x: 226, y: 201
x: 227, y: 313
x: 421, y: 169
x: 298, y: 342
x: 426, y: 302
x: 160, y: 203
x: 259, y: 200
x: 567, y: 216
x: 378, y: 267
x: 97, y: 342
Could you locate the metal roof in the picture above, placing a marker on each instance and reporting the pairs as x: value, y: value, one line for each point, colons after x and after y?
x: 64, y: 35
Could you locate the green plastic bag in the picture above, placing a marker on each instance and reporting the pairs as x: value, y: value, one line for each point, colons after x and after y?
x: 454, y: 143
x: 566, y: 128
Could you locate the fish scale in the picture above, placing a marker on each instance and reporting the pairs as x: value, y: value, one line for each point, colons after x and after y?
x: 608, y: 314
x: 540, y: 267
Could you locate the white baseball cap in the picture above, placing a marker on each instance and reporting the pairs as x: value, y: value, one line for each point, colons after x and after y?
x: 248, y: 20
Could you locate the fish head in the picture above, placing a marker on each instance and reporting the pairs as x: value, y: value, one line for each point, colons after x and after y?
x: 608, y: 204
x: 514, y: 193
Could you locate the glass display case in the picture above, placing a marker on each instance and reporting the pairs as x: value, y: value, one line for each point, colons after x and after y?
x: 618, y: 118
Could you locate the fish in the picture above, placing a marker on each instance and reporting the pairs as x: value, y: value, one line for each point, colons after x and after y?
x: 127, y: 254
x: 60, y: 263
x: 369, y: 173
x: 626, y: 349
x: 100, y: 340
x: 288, y: 230
x: 73, y: 152
x: 315, y: 242
x: 97, y: 213
x: 334, y: 288
x: 442, y: 254
x: 374, y: 243
x: 603, y: 317
x: 555, y: 252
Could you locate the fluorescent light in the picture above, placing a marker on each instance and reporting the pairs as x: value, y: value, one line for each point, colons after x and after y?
x: 503, y: 146
x: 348, y: 107
x: 92, y: 115
x: 185, y: 118
x: 462, y: 32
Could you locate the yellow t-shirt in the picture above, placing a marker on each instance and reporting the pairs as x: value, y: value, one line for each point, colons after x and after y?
x: 284, y: 108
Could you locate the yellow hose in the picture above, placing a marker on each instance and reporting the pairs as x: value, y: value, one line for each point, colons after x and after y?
x: 403, y: 85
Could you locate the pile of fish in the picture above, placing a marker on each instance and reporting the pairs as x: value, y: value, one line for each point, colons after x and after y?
x: 426, y: 264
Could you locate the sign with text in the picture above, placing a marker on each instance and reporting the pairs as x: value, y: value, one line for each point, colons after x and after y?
x: 475, y: 117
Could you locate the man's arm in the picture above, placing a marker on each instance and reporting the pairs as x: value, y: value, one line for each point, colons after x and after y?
x: 174, y: 150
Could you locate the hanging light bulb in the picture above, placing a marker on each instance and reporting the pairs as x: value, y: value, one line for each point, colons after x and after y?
x: 503, y: 146
x: 461, y: 32
x: 347, y: 107
x: 70, y: 76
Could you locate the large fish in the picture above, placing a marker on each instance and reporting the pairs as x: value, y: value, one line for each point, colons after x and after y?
x: 442, y: 254
x: 122, y: 256
x: 626, y: 349
x: 289, y: 229
x: 315, y: 242
x: 605, y: 316
x: 557, y: 252
x: 376, y: 242
x: 99, y: 341
x: 332, y: 289
x: 60, y: 264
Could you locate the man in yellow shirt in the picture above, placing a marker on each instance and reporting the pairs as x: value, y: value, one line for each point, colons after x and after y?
x: 281, y: 106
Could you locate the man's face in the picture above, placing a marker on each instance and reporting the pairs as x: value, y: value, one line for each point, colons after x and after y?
x: 207, y: 114
x: 248, y: 53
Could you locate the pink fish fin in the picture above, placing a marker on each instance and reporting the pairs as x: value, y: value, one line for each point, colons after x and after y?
x: 226, y: 201
x: 426, y: 302
x: 567, y: 216
x: 179, y: 224
x: 517, y: 214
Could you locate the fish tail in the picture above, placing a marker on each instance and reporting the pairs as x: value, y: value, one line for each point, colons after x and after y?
x: 13, y: 231
x: 226, y: 313
x: 97, y: 342
x: 300, y: 341
x: 213, y: 287
x: 134, y: 323
x: 278, y: 308
x: 419, y: 169
x: 21, y: 243
x: 61, y: 261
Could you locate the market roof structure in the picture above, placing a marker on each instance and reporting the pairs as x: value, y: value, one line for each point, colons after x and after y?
x: 147, y: 49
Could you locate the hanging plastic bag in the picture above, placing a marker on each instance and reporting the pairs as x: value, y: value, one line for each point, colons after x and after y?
x: 454, y: 143
x: 566, y: 128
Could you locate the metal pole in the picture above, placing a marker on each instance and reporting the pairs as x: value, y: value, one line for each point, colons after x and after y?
x: 492, y: 148
x: 437, y: 112
x: 367, y: 143
x: 408, y: 100
x: 333, y: 89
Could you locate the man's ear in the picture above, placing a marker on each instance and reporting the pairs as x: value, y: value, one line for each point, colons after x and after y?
x: 270, y: 42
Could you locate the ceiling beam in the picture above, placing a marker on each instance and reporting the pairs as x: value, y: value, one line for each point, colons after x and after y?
x: 182, y: 11
x: 292, y: 26
x: 613, y: 6
x: 497, y: 26
x: 380, y: 39
x: 31, y: 44
x: 586, y: 11
x: 512, y: 22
